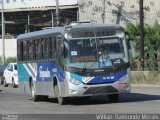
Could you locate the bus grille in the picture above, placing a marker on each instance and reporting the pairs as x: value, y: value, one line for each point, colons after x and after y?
x: 100, y: 90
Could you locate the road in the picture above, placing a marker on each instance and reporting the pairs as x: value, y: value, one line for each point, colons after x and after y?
x: 143, y: 99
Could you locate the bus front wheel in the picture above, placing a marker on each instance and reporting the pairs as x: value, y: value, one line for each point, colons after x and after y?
x: 33, y: 92
x: 61, y: 100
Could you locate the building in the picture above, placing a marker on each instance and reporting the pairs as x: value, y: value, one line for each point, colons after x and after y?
x: 31, y: 15
x: 118, y: 11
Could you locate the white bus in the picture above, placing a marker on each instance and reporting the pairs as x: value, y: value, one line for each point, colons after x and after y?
x: 81, y: 59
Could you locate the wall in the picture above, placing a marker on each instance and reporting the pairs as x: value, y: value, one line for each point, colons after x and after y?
x: 92, y: 10
x: 10, y: 47
x: 13, y: 4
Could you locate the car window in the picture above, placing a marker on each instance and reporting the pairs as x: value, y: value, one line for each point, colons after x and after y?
x: 8, y: 67
x: 11, y: 68
x: 15, y: 67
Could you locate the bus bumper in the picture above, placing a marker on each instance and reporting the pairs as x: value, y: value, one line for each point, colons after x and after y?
x: 98, y: 89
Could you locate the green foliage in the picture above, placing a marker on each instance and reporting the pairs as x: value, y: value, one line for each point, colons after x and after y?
x: 1, y: 61
x: 8, y: 60
x: 151, y: 41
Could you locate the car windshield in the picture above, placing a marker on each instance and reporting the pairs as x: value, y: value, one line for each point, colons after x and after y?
x: 94, y: 52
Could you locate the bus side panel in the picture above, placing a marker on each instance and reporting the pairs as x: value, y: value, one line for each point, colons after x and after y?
x: 23, y: 78
x: 42, y: 73
x: 46, y: 71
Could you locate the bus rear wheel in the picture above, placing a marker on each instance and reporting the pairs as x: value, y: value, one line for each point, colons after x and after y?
x: 113, y: 97
x: 35, y: 97
x: 61, y: 100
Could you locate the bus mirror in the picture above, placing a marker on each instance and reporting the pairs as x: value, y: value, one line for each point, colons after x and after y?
x: 65, y: 52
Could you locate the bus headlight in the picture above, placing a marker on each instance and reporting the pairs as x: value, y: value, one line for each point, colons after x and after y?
x: 74, y: 81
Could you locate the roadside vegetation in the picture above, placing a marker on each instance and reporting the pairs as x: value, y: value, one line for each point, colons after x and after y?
x: 8, y: 60
x: 151, y: 72
x: 145, y: 77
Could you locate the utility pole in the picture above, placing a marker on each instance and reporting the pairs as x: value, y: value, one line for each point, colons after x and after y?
x: 52, y: 19
x: 141, y: 33
x: 57, y: 12
x: 28, y: 24
x: 119, y: 13
x: 103, y: 14
x: 3, y: 32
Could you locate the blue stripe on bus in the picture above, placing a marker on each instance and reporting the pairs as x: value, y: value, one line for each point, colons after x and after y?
x: 23, y: 74
x: 44, y: 72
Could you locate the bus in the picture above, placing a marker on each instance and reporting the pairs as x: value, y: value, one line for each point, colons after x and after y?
x: 77, y: 60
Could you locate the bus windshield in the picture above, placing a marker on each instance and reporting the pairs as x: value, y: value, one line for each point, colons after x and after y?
x: 94, y: 53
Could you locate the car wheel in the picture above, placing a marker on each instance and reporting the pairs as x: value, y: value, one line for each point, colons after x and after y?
x: 35, y: 97
x: 4, y: 83
x: 14, y: 84
x: 61, y: 100
x: 1, y: 80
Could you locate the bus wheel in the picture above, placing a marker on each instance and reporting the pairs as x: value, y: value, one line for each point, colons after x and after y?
x: 33, y: 92
x: 113, y: 97
x: 4, y: 83
x: 61, y: 100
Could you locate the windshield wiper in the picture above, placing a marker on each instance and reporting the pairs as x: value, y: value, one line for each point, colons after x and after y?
x: 84, y: 69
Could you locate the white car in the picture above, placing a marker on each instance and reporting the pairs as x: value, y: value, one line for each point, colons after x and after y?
x: 10, y: 75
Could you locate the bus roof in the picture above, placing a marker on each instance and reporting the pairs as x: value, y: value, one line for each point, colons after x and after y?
x: 94, y: 25
x: 69, y: 27
x: 41, y: 32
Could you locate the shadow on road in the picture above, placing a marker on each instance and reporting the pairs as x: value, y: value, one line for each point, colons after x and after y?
x: 129, y: 97
x: 138, y: 97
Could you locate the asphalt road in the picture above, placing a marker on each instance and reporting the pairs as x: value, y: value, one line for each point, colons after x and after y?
x: 143, y: 99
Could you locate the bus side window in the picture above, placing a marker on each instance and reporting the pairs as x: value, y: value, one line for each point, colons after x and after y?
x: 35, y: 50
x: 50, y: 47
x: 42, y: 48
x: 46, y: 49
x: 30, y: 46
x: 38, y: 49
x: 53, y: 49
x: 20, y: 51
x: 25, y: 51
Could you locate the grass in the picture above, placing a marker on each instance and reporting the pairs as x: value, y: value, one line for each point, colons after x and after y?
x: 145, y: 77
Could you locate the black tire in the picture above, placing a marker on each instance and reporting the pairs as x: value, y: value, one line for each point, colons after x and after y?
x: 61, y: 100
x: 1, y: 82
x: 4, y: 83
x: 14, y: 84
x: 35, y: 97
x: 113, y: 97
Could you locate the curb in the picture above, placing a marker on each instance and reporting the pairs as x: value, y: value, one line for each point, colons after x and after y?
x: 145, y: 85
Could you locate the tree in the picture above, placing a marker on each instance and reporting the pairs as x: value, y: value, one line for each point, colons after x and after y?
x: 151, y: 41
